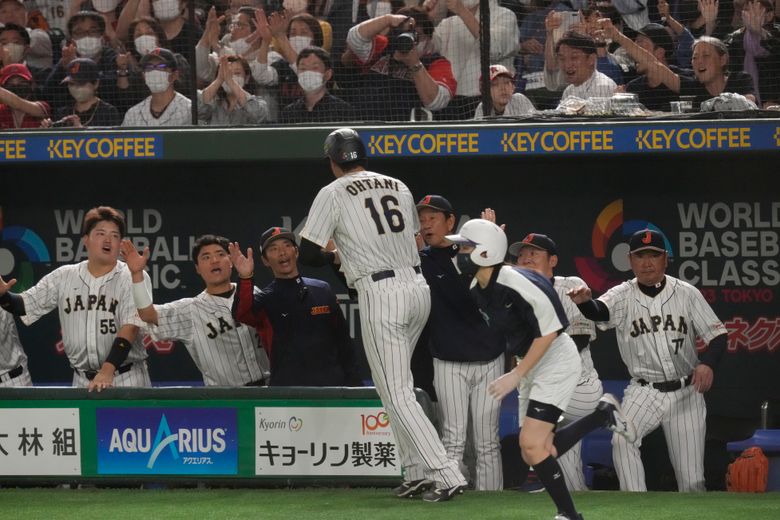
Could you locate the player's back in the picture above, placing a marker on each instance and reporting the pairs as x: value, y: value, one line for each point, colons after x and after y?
x: 375, y: 221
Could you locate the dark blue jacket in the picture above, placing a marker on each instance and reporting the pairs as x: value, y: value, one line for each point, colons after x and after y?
x: 456, y: 328
x: 303, y: 331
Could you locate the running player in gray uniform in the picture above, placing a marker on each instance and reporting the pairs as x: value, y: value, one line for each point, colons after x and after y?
x: 657, y: 319
x: 522, y: 304
x: 13, y: 361
x: 226, y: 352
x: 99, y: 322
x: 540, y: 253
x: 372, y: 220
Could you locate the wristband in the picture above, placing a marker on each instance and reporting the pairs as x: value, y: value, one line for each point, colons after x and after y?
x: 141, y: 295
x: 120, y: 348
x: 252, y: 275
x: 414, y: 68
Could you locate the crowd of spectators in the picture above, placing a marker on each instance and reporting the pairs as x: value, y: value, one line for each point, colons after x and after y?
x: 146, y: 63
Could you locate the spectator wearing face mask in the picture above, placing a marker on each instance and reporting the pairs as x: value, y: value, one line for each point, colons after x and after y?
x: 18, y: 108
x: 40, y: 51
x: 316, y: 105
x: 83, y: 81
x: 180, y: 34
x: 165, y: 106
x: 87, y: 31
x: 238, y: 41
x: 145, y: 34
x: 228, y: 100
x: 14, y: 48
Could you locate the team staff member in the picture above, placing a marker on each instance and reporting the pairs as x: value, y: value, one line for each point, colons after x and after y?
x: 540, y: 253
x: 523, y: 306
x: 372, y: 220
x: 98, y: 318
x: 13, y: 361
x: 657, y: 319
x: 299, y: 318
x: 467, y: 354
x: 226, y: 353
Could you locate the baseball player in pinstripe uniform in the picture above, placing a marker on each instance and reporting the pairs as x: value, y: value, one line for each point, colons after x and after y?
x: 540, y: 253
x: 657, y: 319
x: 13, y: 361
x: 523, y: 305
x: 226, y: 352
x: 372, y: 219
x: 467, y: 354
x: 95, y: 304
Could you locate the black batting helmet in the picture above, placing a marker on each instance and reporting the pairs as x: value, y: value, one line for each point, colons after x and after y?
x: 344, y: 146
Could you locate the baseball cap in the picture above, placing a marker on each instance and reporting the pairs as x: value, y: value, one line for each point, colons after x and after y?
x: 15, y: 69
x: 660, y: 37
x: 82, y: 70
x: 275, y: 233
x: 647, y: 239
x: 163, y: 55
x: 536, y: 240
x: 436, y: 202
x: 500, y: 70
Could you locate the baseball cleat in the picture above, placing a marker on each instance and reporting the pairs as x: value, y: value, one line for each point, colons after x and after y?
x: 617, y: 421
x: 564, y: 517
x: 412, y: 488
x: 443, y: 494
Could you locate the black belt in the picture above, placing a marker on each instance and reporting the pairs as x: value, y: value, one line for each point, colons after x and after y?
x: 668, y: 386
x: 381, y: 275
x: 90, y: 374
x: 13, y: 374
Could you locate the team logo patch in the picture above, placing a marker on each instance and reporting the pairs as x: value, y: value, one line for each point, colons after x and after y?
x: 320, y: 309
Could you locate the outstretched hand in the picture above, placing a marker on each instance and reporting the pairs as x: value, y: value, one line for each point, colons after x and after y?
x: 490, y: 215
x: 6, y: 286
x: 244, y: 264
x: 135, y: 262
x: 580, y: 294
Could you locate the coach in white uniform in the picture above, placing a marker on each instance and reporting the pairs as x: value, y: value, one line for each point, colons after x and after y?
x: 226, y: 352
x: 13, y: 361
x: 540, y: 253
x: 98, y: 318
x: 372, y: 219
x: 657, y: 319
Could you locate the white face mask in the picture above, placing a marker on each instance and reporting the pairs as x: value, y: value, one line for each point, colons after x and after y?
x: 165, y: 10
x: 157, y: 80
x: 89, y: 46
x: 15, y: 52
x: 295, y: 6
x: 298, y: 43
x: 382, y: 8
x: 310, y: 81
x: 145, y: 43
x: 240, y: 45
x: 81, y: 93
x: 105, y: 6
x: 238, y: 80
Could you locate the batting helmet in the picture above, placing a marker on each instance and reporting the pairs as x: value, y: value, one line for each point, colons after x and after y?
x: 488, y: 240
x: 344, y: 146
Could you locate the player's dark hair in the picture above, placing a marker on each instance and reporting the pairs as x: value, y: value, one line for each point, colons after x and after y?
x: 577, y: 40
x: 21, y: 31
x: 103, y: 214
x: 207, y: 240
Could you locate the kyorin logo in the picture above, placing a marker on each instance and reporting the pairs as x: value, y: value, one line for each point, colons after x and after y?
x: 20, y: 247
x: 295, y: 424
x: 610, y: 248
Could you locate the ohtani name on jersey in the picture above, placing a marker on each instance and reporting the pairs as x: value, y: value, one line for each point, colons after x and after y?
x: 639, y: 327
x: 222, y: 325
x: 96, y: 303
x: 361, y: 185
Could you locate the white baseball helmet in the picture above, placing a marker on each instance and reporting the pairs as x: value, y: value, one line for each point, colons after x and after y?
x: 488, y: 240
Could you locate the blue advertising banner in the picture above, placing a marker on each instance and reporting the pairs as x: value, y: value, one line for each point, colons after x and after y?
x: 80, y: 147
x: 167, y: 441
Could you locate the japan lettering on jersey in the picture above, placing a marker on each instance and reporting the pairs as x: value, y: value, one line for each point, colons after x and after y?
x: 657, y: 335
x: 372, y: 219
x: 91, y: 311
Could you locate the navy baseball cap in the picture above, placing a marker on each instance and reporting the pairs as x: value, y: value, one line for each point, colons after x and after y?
x: 82, y: 70
x: 535, y: 240
x: 275, y: 233
x: 647, y: 239
x: 436, y: 202
x: 163, y: 55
